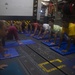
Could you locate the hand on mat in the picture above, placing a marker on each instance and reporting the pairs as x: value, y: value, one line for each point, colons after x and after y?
x: 19, y: 42
x: 3, y: 66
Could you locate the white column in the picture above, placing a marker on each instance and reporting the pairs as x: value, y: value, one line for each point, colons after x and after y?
x: 39, y: 9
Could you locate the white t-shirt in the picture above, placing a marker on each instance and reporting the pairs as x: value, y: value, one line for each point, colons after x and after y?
x: 46, y: 27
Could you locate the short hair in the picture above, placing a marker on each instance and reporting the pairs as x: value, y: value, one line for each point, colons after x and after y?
x: 1, y: 24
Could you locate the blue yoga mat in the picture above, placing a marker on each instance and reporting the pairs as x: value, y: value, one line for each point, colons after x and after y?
x: 49, y: 44
x: 14, y: 43
x: 10, y: 51
x: 38, y: 37
x: 28, y: 34
x: 12, y: 69
x: 63, y: 47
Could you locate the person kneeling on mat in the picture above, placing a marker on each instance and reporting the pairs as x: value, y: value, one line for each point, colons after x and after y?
x: 68, y: 33
x: 2, y: 50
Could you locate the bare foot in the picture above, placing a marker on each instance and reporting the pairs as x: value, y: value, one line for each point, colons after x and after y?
x: 3, y: 66
x: 7, y: 55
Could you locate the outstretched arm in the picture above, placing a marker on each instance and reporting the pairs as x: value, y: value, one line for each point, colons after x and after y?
x: 34, y: 31
x: 40, y: 31
x: 45, y: 32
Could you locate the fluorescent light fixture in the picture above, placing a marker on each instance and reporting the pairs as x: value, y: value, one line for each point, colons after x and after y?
x: 44, y: 3
x: 46, y: 0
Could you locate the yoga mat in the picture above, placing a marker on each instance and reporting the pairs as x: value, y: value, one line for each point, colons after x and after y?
x: 38, y: 37
x: 50, y: 43
x: 63, y: 47
x: 12, y: 51
x: 14, y: 43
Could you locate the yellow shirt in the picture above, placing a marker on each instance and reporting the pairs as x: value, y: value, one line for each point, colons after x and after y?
x: 71, y: 29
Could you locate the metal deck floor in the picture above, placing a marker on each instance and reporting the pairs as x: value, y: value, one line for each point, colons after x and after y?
x: 38, y: 59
